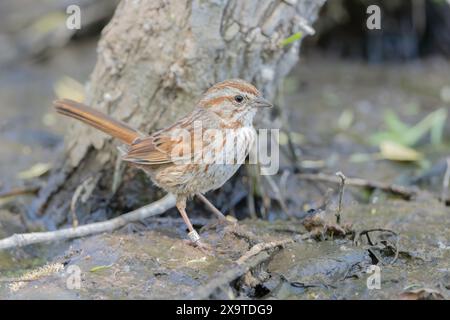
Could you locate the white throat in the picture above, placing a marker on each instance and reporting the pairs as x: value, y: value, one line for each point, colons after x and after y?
x: 246, y: 118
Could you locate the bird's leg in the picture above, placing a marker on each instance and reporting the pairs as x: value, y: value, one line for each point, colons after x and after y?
x: 181, y: 206
x: 193, y: 235
x: 211, y: 207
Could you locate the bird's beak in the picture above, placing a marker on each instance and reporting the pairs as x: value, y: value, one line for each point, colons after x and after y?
x: 260, y: 102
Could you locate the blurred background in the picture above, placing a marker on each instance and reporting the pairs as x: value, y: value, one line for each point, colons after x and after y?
x: 371, y: 103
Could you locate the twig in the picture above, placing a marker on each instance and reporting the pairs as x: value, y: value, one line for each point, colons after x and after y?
x: 366, y: 232
x: 349, y: 270
x: 255, y: 256
x: 211, y: 207
x: 250, y: 194
x: 19, y: 192
x: 284, y: 179
x: 266, y: 201
x: 264, y: 246
x: 341, y: 196
x: 73, y: 202
x: 280, y: 108
x: 155, y: 208
x: 278, y: 194
x: 251, y: 205
x: 118, y: 172
x: 405, y: 192
x: 374, y: 245
x: 445, y: 182
x: 12, y: 280
x: 83, y: 193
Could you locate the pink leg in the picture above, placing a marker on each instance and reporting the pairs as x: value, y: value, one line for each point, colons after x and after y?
x: 211, y: 207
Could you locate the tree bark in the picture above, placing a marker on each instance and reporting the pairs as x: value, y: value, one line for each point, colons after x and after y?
x: 155, y: 58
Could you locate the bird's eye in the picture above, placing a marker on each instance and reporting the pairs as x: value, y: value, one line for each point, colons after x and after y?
x: 239, y: 98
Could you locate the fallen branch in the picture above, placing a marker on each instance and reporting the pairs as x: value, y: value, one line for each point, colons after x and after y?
x: 153, y: 209
x: 260, y: 247
x: 405, y: 192
x: 252, y: 258
x: 18, y: 192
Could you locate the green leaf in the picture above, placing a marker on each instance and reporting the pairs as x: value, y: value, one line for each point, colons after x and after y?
x: 437, y: 130
x: 345, y: 120
x: 291, y: 39
x: 434, y: 122
x: 408, y: 136
x: 100, y: 268
x: 393, y: 123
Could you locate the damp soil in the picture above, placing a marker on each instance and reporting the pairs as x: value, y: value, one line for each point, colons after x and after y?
x: 152, y: 260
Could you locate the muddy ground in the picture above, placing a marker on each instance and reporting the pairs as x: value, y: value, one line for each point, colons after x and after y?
x: 319, y: 260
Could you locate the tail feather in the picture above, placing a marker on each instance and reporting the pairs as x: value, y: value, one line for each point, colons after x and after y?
x: 97, y: 120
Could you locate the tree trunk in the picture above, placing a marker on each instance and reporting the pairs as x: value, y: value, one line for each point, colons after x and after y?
x: 155, y: 58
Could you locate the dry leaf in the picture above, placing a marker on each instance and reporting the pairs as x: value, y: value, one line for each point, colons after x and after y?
x: 393, y: 151
x: 69, y: 88
x: 322, y: 224
x: 35, y: 171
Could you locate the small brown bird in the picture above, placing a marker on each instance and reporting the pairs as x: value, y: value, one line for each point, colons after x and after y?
x: 196, y: 154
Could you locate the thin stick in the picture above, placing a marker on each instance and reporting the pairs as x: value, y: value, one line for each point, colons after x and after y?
x: 211, y: 207
x: 280, y: 107
x: 278, y: 194
x: 445, y: 182
x: 250, y: 194
x: 405, y: 192
x: 255, y: 256
x: 118, y: 174
x: 373, y: 245
x: 19, y: 192
x: 153, y: 209
x: 73, y: 204
x: 341, y: 196
x: 257, y: 248
x: 82, y: 192
x: 266, y: 202
x: 12, y: 280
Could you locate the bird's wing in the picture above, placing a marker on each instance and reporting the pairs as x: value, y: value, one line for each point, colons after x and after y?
x: 164, y: 146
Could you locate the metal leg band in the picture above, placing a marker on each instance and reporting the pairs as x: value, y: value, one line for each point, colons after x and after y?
x: 194, y: 236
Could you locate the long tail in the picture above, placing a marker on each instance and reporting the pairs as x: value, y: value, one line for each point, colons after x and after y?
x: 97, y: 120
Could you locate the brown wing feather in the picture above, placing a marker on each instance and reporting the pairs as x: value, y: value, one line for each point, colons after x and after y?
x: 145, y: 151
x: 159, y: 147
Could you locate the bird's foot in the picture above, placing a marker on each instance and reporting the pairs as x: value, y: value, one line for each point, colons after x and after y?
x: 194, y: 240
x: 205, y: 248
x: 201, y: 246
